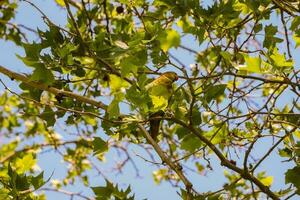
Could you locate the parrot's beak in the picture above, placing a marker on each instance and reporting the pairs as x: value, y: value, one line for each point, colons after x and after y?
x: 176, y: 78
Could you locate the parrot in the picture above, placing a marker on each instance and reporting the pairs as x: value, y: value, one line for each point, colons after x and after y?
x: 161, y: 90
x: 165, y: 80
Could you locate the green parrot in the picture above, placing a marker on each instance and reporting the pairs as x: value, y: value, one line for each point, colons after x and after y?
x: 165, y: 80
x: 160, y: 90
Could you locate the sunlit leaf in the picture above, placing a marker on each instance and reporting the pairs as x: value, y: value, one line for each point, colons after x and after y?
x: 170, y: 38
x: 25, y: 163
x: 267, y: 181
x: 159, y: 102
x: 253, y: 64
x: 279, y: 60
x: 121, y: 44
x: 61, y: 3
x: 297, y: 40
x: 116, y: 83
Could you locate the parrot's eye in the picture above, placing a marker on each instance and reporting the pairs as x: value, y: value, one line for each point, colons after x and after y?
x: 176, y: 78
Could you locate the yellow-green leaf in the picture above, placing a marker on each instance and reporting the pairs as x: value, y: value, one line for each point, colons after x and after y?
x: 24, y: 164
x: 87, y: 60
x: 253, y: 64
x: 116, y: 83
x: 297, y: 40
x: 279, y: 59
x: 128, y: 66
x: 61, y: 3
x: 185, y: 24
x: 159, y: 102
x: 267, y: 181
x: 170, y: 38
x: 121, y: 44
x: 160, y: 175
x: 200, y: 167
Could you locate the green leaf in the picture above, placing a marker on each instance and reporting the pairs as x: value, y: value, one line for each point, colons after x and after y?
x: 227, y: 56
x: 159, y: 102
x: 110, y: 190
x: 85, y: 60
x: 296, y: 38
x: 285, y: 152
x: 22, y: 182
x: 24, y: 164
x: 33, y: 92
x: 159, y: 95
x: 168, y: 39
x: 102, y: 192
x: 66, y: 49
x: 30, y: 61
x: 49, y: 116
x: 99, y: 145
x: 113, y: 109
x: 270, y: 39
x: 116, y: 83
x: 3, y: 98
x: 190, y: 143
x: 257, y: 28
x: 293, y: 176
x: 186, y: 25
x: 38, y: 181
x: 200, y: 167
x: 279, y: 60
x: 80, y: 72
x: 214, y: 92
x: 128, y: 66
x: 121, y: 44
x: 137, y: 98
x: 32, y: 50
x: 42, y: 74
x: 196, y: 116
x: 295, y: 23
x: 181, y: 132
x: 253, y: 64
x: 53, y: 37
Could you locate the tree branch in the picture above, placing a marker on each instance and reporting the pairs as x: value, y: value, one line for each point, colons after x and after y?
x: 225, y: 162
x: 167, y: 160
x: 53, y: 90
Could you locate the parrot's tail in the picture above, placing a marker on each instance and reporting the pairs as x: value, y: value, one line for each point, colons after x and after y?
x: 155, y: 123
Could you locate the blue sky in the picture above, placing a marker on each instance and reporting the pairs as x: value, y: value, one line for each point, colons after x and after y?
x: 143, y: 187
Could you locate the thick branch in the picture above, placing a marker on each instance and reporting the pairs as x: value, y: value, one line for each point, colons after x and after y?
x: 225, y: 162
x: 165, y: 159
x: 53, y: 90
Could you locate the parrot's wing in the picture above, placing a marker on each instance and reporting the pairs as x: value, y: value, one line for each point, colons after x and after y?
x: 160, y: 81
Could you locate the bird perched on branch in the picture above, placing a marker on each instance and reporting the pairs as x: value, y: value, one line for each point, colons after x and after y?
x: 165, y: 80
x: 160, y: 90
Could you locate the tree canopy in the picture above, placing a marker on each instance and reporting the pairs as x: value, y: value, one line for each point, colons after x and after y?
x: 234, y: 106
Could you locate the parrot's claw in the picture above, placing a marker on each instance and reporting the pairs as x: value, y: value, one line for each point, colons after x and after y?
x: 169, y: 112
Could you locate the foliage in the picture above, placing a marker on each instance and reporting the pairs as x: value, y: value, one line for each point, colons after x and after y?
x: 239, y: 89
